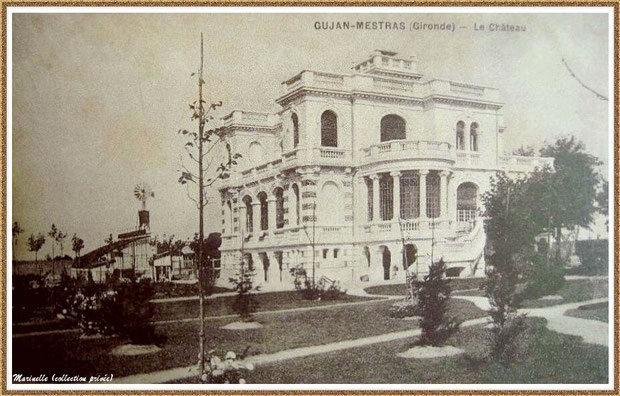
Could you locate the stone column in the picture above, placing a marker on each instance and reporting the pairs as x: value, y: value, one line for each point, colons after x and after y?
x: 271, y: 214
x: 467, y: 138
x: 256, y: 217
x: 375, y: 198
x: 443, y: 195
x: 423, y: 173
x: 396, y: 194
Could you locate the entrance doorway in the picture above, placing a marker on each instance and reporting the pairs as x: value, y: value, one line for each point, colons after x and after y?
x: 387, y: 262
x: 411, y: 255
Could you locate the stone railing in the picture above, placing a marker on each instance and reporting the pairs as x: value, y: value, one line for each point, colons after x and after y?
x: 400, y: 149
x: 468, y: 159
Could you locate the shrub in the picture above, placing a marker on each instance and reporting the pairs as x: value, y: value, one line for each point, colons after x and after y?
x: 505, y: 346
x: 545, y: 278
x: 244, y: 304
x: 432, y: 296
x: 119, y: 308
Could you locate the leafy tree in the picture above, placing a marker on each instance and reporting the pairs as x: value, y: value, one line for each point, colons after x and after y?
x: 77, y: 245
x: 511, y: 228
x: 35, y: 243
x: 199, y: 145
x: 602, y: 200
x: 573, y: 187
x: 16, y: 231
x: 433, y: 295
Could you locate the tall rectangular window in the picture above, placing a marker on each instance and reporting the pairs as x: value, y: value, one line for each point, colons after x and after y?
x: 432, y: 196
x: 386, y: 197
x: 409, y: 196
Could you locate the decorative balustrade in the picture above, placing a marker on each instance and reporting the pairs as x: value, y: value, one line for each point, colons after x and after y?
x: 467, y: 159
x: 408, y: 148
x: 332, y: 153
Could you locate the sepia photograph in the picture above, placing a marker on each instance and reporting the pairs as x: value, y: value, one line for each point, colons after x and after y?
x: 395, y: 199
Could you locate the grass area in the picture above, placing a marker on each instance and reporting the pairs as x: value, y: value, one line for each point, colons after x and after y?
x: 598, y: 312
x: 401, y: 289
x: 67, y: 353
x: 544, y: 357
x: 574, y: 291
x: 222, y: 305
x: 214, y: 307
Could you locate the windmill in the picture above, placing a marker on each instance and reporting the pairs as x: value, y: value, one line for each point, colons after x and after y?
x: 143, y: 192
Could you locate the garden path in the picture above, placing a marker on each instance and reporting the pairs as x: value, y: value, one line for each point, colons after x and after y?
x: 552, y: 314
x: 592, y: 331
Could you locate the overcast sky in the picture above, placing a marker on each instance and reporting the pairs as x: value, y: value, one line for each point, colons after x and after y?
x: 98, y: 98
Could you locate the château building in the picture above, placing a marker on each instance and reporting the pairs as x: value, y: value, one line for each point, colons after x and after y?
x: 365, y: 174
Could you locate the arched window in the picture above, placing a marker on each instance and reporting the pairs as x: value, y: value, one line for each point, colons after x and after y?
x: 466, y: 202
x: 279, y: 193
x: 473, y: 137
x: 297, y: 203
x: 249, y: 214
x: 460, y: 135
x: 386, y: 197
x: 409, y: 196
x: 393, y: 127
x: 330, y: 209
x: 432, y: 196
x: 329, y: 129
x: 264, y: 211
x: 295, y: 122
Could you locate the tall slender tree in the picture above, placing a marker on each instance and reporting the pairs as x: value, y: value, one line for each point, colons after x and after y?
x: 35, y: 243
x: 77, y: 244
x: 53, y: 234
x: 60, y: 239
x: 16, y: 231
x: 199, y: 146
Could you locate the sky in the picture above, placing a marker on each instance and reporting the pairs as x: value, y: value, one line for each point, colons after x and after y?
x: 98, y: 98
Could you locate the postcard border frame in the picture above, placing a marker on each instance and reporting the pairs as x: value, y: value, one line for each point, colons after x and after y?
x: 308, y: 3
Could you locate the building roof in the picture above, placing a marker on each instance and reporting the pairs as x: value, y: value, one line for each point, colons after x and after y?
x: 90, y: 259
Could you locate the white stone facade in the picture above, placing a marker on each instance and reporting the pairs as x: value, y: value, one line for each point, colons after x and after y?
x: 368, y: 163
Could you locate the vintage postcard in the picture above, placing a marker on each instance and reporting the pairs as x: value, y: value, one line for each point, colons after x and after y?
x: 317, y: 199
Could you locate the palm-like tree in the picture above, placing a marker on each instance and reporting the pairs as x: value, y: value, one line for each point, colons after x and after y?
x: 35, y: 243
x: 53, y: 234
x: 60, y: 238
x: 77, y: 245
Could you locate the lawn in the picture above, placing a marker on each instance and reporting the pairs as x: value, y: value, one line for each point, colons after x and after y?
x: 67, y: 353
x: 214, y: 307
x: 598, y: 312
x: 574, y: 290
x: 544, y: 357
x: 222, y: 305
x: 401, y: 289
